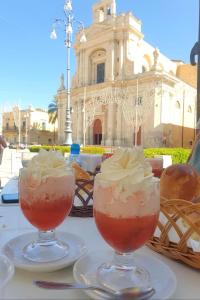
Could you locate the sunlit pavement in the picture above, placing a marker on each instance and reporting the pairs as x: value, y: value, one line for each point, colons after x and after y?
x: 11, y: 163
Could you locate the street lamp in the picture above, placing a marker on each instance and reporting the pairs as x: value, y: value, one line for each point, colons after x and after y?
x: 68, y: 22
x: 196, y: 52
x: 27, y: 116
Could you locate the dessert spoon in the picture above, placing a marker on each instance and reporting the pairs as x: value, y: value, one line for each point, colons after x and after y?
x: 125, y: 294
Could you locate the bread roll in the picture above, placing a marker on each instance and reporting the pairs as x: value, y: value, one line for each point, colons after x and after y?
x: 180, y: 181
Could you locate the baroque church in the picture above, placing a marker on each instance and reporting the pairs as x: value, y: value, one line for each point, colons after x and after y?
x: 125, y: 91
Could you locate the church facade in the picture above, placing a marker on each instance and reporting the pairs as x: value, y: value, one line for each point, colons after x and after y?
x: 125, y: 91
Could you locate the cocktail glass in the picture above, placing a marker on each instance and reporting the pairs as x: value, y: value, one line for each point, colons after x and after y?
x: 125, y: 221
x: 26, y: 157
x: 157, y: 165
x: 46, y: 205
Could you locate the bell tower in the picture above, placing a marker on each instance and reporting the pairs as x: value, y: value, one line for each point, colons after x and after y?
x: 104, y: 10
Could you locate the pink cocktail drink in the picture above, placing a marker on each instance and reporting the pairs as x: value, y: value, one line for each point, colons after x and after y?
x: 46, y: 189
x: 49, y: 204
x: 157, y: 166
x: 126, y: 225
x: 126, y: 209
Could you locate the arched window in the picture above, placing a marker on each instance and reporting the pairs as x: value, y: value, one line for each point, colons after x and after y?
x: 108, y: 11
x: 43, y: 125
x: 98, y: 66
x: 146, y: 64
x: 101, y: 15
x: 143, y: 69
x: 178, y: 105
x: 100, y: 72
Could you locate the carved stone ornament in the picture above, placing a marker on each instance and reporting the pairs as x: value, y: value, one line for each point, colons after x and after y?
x: 156, y: 54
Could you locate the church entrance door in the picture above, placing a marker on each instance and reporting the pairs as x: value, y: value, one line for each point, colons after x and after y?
x: 139, y: 137
x: 97, y: 132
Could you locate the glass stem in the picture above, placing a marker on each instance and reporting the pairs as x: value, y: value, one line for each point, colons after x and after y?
x: 123, y: 261
x: 46, y: 238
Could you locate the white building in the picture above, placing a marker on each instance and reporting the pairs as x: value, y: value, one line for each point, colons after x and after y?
x: 29, y: 126
x: 124, y: 85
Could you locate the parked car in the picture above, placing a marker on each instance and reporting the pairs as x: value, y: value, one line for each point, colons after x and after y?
x: 12, y: 146
x: 16, y: 146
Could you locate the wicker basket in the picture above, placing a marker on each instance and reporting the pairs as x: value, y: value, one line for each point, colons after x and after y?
x: 83, y: 192
x: 183, y: 219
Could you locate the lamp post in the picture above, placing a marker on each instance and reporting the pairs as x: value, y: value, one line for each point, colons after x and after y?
x: 68, y: 22
x: 196, y: 52
x: 26, y: 129
x: 17, y: 120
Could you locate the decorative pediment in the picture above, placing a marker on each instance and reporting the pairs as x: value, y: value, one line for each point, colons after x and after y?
x: 98, y: 54
x: 98, y: 29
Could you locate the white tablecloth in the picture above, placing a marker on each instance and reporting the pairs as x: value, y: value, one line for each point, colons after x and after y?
x: 21, y: 287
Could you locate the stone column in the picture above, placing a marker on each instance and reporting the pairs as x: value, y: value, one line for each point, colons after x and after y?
x: 109, y: 135
x: 118, y: 141
x: 78, y: 67
x: 124, y: 57
x: 86, y: 67
x: 110, y: 61
x: 121, y: 59
x: 103, y: 131
x: 81, y: 68
x: 79, y: 122
x: 93, y: 79
x: 87, y: 135
x: 91, y: 134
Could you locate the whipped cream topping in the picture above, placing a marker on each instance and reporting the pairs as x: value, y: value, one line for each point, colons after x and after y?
x: 45, y: 164
x: 127, y: 167
x: 126, y: 186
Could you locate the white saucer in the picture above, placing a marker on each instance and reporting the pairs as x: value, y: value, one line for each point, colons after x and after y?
x: 162, y: 278
x: 13, y: 249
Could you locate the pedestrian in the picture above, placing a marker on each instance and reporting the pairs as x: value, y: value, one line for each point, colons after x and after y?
x: 3, y: 145
x: 194, y: 157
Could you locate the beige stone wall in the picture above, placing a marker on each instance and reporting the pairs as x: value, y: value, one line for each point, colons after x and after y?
x: 178, y: 136
x: 188, y: 74
x: 42, y: 137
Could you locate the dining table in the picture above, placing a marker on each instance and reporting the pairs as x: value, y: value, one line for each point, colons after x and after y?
x: 13, y: 223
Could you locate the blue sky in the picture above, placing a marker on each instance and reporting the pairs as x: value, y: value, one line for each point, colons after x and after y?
x: 31, y: 63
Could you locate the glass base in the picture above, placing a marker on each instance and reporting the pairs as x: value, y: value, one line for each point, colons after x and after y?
x: 46, y: 249
x: 120, y: 274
